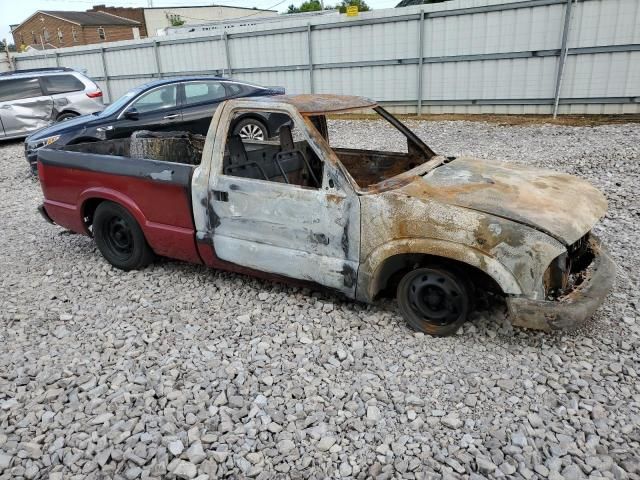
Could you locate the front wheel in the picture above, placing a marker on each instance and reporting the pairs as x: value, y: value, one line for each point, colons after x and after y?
x: 434, y: 300
x: 119, y: 237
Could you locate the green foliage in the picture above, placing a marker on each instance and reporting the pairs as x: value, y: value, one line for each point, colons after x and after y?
x: 361, y: 4
x: 308, y: 6
x: 4, y: 45
x: 176, y: 20
x: 316, y: 6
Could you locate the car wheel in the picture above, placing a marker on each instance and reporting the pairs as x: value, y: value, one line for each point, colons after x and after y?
x: 66, y: 116
x: 434, y: 300
x: 119, y: 237
x: 250, y: 129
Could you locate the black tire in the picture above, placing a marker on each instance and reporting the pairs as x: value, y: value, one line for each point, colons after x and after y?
x: 120, y: 238
x: 435, y: 301
x: 66, y: 116
x: 251, y: 129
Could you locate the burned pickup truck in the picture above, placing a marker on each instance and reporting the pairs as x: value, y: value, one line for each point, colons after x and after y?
x: 435, y: 231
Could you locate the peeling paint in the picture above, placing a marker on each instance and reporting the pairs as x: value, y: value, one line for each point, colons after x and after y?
x: 164, y: 175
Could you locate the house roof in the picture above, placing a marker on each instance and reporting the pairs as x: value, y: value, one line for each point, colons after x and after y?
x: 409, y: 3
x: 85, y: 18
x: 208, y: 6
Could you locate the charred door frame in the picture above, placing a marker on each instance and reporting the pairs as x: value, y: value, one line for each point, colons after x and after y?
x: 334, y: 265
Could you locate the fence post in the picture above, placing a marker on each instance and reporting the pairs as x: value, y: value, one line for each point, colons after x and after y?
x: 563, y: 57
x: 106, y: 74
x: 57, y: 59
x: 310, y: 58
x: 420, y: 61
x: 226, y: 51
x: 156, y: 55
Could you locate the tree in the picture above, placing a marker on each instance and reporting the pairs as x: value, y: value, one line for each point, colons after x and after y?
x: 308, y: 6
x: 8, y: 46
x: 316, y: 6
x: 361, y: 4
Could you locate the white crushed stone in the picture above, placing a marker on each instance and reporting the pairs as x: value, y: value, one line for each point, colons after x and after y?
x: 104, y: 374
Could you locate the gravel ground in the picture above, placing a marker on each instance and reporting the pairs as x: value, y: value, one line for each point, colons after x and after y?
x: 180, y: 371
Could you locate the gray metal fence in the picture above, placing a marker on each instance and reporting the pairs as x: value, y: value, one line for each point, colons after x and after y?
x: 462, y: 56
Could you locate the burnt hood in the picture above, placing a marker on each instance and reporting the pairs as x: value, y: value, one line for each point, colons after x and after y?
x: 558, y: 204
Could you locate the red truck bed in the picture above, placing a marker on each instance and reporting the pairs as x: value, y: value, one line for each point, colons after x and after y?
x: 156, y: 193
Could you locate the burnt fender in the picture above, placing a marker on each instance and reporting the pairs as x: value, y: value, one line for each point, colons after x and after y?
x: 369, y: 281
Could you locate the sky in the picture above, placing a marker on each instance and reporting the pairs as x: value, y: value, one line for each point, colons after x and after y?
x: 15, y: 11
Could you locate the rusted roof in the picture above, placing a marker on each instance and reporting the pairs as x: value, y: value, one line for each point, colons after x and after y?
x: 321, y: 103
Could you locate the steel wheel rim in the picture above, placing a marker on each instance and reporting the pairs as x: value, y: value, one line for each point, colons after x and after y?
x: 436, y: 298
x: 251, y: 131
x: 119, y: 237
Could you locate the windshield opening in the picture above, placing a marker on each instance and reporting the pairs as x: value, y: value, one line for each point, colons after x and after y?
x: 383, y: 148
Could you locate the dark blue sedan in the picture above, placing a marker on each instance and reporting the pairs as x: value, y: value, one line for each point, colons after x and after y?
x: 173, y: 104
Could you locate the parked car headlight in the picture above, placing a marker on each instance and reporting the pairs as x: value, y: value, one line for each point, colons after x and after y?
x: 44, y: 142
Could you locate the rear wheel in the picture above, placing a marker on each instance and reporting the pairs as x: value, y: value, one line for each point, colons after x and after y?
x: 66, y: 116
x: 251, y: 129
x: 434, y: 300
x: 119, y: 237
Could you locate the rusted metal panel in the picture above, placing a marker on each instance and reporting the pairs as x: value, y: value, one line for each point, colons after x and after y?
x: 576, y: 305
x: 532, y: 196
x: 514, y: 255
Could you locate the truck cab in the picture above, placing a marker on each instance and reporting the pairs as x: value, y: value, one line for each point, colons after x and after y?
x: 433, y: 230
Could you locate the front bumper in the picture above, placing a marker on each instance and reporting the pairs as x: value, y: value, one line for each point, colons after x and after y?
x: 31, y: 154
x: 576, y: 306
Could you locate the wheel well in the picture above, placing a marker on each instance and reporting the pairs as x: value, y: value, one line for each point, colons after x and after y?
x: 64, y: 112
x: 89, y: 209
x: 251, y: 116
x: 395, y: 267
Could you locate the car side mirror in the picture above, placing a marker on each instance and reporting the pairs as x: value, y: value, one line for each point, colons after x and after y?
x: 131, y: 113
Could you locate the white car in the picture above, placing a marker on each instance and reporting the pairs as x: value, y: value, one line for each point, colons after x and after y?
x: 32, y: 99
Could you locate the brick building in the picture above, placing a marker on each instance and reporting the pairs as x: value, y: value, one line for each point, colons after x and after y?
x: 69, y: 29
x: 132, y: 13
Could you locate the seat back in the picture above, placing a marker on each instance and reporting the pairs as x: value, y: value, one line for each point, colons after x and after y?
x: 286, y: 139
x: 237, y: 152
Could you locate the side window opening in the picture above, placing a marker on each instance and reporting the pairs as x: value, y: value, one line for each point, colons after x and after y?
x: 200, y: 92
x: 233, y: 89
x: 159, y: 99
x: 285, y: 157
x: 102, y: 34
x: 19, y: 89
x: 56, y: 84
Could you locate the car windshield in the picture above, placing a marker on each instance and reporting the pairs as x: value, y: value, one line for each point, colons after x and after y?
x: 119, y: 103
x: 389, y: 148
